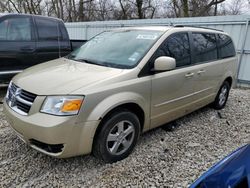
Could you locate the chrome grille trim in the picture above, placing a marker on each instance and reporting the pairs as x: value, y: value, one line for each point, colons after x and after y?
x: 10, y: 72
x: 23, y: 101
x: 19, y: 100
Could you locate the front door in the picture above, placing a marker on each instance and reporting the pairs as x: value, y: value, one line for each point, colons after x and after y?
x: 17, y: 44
x: 172, y: 91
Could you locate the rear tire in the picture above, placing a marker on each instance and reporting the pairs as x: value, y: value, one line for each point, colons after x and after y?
x: 117, y: 137
x: 222, y: 96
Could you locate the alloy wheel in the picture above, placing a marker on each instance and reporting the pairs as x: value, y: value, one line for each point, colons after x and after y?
x: 120, y: 137
x: 223, y: 95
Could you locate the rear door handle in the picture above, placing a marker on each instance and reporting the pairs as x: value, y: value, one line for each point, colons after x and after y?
x: 201, y: 71
x: 189, y: 75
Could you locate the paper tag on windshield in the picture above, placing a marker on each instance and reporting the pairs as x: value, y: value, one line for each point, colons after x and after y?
x: 134, y: 56
x: 146, y: 37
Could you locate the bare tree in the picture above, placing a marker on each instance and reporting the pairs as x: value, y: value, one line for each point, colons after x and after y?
x: 124, y: 10
x: 236, y: 7
x: 139, y: 4
x: 187, y: 8
x: 90, y: 10
x: 138, y: 9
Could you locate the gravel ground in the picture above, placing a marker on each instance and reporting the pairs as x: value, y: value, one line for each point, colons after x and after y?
x: 162, y: 157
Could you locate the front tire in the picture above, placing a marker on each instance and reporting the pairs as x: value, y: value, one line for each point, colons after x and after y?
x: 222, y: 96
x: 117, y: 137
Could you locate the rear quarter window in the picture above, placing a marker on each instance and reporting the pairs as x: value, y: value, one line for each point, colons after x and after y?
x: 205, y: 47
x: 225, y: 46
x: 47, y: 29
x: 64, y: 32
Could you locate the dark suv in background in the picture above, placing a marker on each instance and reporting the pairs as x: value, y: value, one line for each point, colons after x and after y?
x: 26, y: 40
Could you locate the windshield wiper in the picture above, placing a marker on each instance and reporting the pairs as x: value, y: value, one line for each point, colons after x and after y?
x: 88, y: 61
x: 105, y: 64
x: 70, y: 56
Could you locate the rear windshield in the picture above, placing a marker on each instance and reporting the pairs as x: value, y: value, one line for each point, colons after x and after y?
x: 119, y: 49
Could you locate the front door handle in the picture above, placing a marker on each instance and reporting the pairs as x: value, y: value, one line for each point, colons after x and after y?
x: 201, y: 71
x: 27, y: 49
x: 189, y: 75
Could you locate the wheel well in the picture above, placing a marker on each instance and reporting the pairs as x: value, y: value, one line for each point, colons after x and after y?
x: 229, y: 80
x: 132, y: 107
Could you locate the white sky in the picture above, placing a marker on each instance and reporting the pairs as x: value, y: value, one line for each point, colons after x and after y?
x: 245, y: 5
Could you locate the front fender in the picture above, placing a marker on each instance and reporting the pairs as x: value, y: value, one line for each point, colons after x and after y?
x: 113, y: 101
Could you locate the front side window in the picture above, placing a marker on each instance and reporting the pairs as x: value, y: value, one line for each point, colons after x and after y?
x: 3, y: 29
x: 47, y: 29
x: 176, y: 46
x: 119, y: 49
x: 225, y: 46
x: 205, y: 48
x: 15, y: 29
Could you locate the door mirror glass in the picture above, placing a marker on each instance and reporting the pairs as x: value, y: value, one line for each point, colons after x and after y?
x: 164, y: 63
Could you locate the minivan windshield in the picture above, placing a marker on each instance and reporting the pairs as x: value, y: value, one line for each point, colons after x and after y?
x: 119, y: 49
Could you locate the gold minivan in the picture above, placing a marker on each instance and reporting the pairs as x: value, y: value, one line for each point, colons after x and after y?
x: 121, y: 83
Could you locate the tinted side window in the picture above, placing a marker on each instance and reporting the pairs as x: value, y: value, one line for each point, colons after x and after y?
x: 47, y: 29
x: 225, y: 46
x: 18, y: 29
x: 205, y: 47
x: 63, y: 32
x: 3, y: 29
x: 176, y: 46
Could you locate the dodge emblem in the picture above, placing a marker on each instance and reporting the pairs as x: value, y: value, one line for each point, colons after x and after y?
x: 13, y: 97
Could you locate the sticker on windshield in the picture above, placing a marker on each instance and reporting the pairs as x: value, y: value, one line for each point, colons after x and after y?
x: 134, y: 56
x: 146, y: 37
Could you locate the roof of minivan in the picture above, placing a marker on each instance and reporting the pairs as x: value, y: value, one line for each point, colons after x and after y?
x: 156, y: 28
x: 165, y: 28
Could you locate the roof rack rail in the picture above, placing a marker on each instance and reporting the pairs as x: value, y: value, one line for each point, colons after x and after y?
x: 198, y: 27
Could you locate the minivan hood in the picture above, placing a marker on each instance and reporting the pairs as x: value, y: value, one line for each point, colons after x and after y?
x: 62, y: 76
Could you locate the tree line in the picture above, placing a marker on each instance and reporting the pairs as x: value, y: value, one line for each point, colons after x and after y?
x: 93, y: 10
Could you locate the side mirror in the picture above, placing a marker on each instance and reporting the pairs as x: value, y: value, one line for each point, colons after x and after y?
x: 164, y: 63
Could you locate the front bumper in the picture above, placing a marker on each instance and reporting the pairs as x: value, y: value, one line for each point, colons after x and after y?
x: 74, y: 138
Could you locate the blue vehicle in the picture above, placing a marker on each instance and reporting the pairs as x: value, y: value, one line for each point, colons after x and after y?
x: 231, y: 172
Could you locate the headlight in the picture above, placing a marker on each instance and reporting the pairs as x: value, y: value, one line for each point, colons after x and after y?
x: 62, y: 105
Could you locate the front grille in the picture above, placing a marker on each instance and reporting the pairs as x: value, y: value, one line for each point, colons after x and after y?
x: 24, y: 107
x: 19, y: 100
x: 27, y: 96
